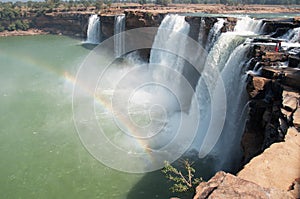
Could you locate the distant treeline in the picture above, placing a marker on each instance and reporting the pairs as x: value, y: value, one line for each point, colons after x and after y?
x: 18, y: 15
x: 15, y: 15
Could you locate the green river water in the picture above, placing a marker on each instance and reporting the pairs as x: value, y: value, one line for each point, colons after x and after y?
x: 41, y: 153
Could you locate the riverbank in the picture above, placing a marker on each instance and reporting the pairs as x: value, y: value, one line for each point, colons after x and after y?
x: 28, y: 32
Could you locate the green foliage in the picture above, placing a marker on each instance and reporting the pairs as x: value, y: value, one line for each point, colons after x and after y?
x: 21, y: 25
x: 142, y: 2
x: 99, y: 4
x: 2, y: 28
x: 108, y: 3
x: 11, y: 27
x: 183, y: 180
x: 163, y: 2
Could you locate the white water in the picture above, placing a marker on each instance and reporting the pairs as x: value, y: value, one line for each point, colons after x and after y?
x: 163, y: 58
x: 292, y: 36
x: 224, y: 66
x: 119, y: 40
x: 248, y: 26
x: 201, y: 32
x: 151, y: 98
x: 93, y: 31
x: 214, y: 33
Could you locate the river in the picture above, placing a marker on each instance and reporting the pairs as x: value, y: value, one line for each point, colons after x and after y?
x: 41, y: 153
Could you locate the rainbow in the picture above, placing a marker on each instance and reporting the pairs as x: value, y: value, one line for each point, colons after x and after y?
x: 42, y: 65
x: 107, y: 106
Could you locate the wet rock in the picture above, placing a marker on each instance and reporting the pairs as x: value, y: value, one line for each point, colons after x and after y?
x: 107, y: 26
x: 275, y: 56
x: 272, y: 25
x: 224, y: 185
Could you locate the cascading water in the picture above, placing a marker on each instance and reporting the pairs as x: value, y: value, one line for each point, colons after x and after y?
x: 170, y: 65
x: 177, y: 24
x: 119, y: 43
x: 224, y: 63
x: 214, y: 33
x: 201, y: 32
x: 93, y: 31
x: 292, y: 36
x: 149, y: 101
x: 248, y: 26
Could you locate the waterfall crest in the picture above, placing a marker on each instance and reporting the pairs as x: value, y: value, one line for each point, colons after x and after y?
x: 119, y: 40
x: 248, y: 26
x: 93, y: 31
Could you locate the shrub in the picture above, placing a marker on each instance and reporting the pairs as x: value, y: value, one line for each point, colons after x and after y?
x: 11, y: 27
x: 183, y: 180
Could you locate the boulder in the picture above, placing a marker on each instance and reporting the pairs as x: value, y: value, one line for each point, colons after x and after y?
x: 296, y: 119
x: 224, y: 185
x: 256, y: 85
x: 278, y: 166
x: 290, y: 99
x: 289, y: 103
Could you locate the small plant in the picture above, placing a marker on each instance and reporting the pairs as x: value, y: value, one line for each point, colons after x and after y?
x: 183, y: 180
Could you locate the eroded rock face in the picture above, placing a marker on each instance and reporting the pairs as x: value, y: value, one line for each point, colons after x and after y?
x: 224, y: 185
x: 263, y: 126
x: 67, y: 24
x: 278, y: 166
x: 136, y: 19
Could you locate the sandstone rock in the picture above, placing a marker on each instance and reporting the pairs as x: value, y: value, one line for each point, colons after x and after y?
x: 296, y: 118
x: 290, y: 102
x: 277, y: 166
x: 256, y: 85
x: 294, y: 189
x: 274, y: 56
x: 224, y: 185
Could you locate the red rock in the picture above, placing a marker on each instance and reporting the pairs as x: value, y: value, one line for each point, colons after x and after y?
x: 224, y: 185
x: 278, y: 166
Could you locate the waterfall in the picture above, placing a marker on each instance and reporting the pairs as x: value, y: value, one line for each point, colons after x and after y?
x: 93, y: 31
x: 153, y: 111
x: 201, y: 32
x: 292, y: 36
x: 248, y: 26
x: 214, y: 33
x: 119, y: 40
x: 165, y: 41
x: 221, y: 120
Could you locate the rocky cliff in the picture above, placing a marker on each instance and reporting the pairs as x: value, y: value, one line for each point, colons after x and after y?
x: 62, y: 23
x: 271, y: 141
x: 72, y: 24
